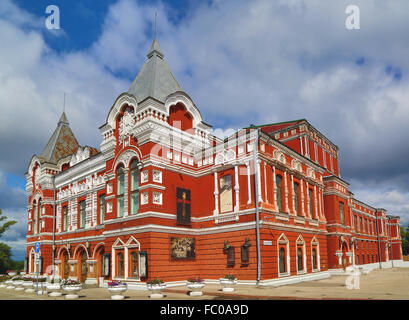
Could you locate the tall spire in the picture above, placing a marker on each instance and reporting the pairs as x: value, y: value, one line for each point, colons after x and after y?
x: 155, y: 79
x: 61, y: 144
x: 154, y: 34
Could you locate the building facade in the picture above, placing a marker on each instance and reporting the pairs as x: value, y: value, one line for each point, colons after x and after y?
x: 164, y: 198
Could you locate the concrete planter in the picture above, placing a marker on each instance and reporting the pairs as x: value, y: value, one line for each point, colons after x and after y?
x: 55, y: 289
x: 116, y: 291
x: 72, y: 291
x: 195, y: 288
x: 156, y: 290
x: 228, y: 285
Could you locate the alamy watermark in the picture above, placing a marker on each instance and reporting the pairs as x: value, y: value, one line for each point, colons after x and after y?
x: 52, y: 22
x: 352, y: 22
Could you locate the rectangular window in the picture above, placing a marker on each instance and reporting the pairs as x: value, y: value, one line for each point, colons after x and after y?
x: 102, y: 208
x: 311, y: 199
x: 82, y: 214
x: 296, y: 197
x: 65, y: 218
x: 183, y: 206
x: 226, y: 194
x: 39, y: 219
x: 355, y: 223
x: 279, y: 193
x: 120, y: 189
x: 282, y: 259
x: 341, y: 212
x: 134, y: 189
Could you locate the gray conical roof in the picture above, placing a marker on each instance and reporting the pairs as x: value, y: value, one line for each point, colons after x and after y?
x: 61, y: 144
x: 155, y: 78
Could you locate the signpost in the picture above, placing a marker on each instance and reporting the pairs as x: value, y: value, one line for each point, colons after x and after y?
x: 37, y: 261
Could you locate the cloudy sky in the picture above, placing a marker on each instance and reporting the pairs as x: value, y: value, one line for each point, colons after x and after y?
x: 242, y: 62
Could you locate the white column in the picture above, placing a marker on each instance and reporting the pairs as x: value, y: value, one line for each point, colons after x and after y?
x: 315, y: 203
x: 126, y: 173
x: 309, y: 214
x: 293, y: 193
x: 286, y: 209
x: 113, y: 263
x: 307, y: 153
x: 260, y: 199
x: 236, y: 187
x: 322, y: 204
x: 248, y: 183
x: 216, y: 196
x: 302, y: 197
x: 265, y: 181
x: 274, y: 188
x: 126, y: 262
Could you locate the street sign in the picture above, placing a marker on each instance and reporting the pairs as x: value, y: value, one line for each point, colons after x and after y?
x: 36, y: 258
x: 37, y: 247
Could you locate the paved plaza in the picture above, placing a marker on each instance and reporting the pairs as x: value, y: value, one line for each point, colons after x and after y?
x: 391, y: 284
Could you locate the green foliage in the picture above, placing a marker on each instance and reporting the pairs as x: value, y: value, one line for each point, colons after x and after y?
x: 405, y: 240
x: 6, y: 225
x: 6, y: 263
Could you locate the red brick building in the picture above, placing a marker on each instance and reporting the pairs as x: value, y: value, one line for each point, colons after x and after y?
x: 164, y: 198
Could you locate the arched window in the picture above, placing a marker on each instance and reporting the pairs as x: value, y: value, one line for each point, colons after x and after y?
x: 296, y: 198
x: 300, y: 264
x: 35, y: 218
x: 120, y: 175
x: 282, y: 260
x: 314, y: 258
x: 134, y: 174
x: 134, y: 265
x: 279, y: 192
x: 121, y: 264
x: 39, y: 209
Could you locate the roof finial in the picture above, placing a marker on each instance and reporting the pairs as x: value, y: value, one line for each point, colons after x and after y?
x: 63, y: 110
x: 154, y: 36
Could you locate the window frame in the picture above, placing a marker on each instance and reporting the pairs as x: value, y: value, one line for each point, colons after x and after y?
x: 120, y: 197
x: 231, y: 191
x: 102, y: 208
x: 65, y: 218
x: 134, y: 192
x: 296, y: 190
x: 81, y: 214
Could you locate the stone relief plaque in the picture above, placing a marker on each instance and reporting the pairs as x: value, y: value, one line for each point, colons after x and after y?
x: 182, y: 248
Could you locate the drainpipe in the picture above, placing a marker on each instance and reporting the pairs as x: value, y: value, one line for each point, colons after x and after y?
x: 54, y: 214
x: 379, y: 244
x: 256, y: 191
x: 390, y: 239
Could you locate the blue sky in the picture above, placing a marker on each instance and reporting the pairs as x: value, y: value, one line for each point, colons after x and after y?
x: 241, y: 62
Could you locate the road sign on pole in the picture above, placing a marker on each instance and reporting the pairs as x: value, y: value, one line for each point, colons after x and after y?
x: 37, y: 261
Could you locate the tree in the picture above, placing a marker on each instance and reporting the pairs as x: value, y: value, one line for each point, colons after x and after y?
x: 6, y: 225
x: 405, y: 240
x: 6, y: 263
